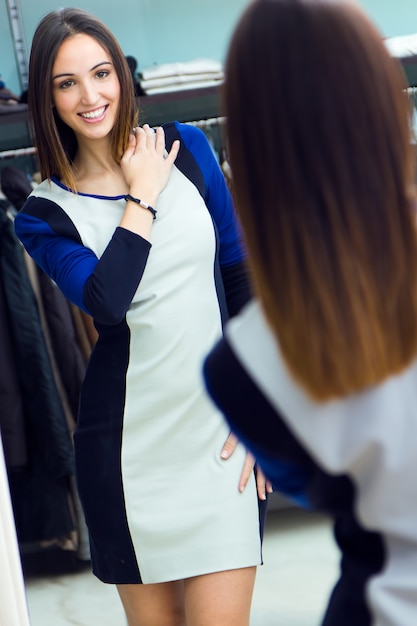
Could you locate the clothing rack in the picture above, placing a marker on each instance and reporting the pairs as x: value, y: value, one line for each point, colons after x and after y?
x: 208, y: 123
x: 17, y: 152
x: 203, y: 124
x: 212, y: 127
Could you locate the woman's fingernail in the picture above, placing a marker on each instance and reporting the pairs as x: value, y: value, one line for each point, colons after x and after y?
x: 224, y: 454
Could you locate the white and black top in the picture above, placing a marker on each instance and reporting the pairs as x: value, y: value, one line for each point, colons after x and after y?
x: 354, y: 459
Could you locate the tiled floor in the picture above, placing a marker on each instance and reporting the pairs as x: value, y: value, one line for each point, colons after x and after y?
x: 300, y: 566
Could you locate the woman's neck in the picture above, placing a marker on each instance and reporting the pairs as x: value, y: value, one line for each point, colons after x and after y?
x: 95, y: 170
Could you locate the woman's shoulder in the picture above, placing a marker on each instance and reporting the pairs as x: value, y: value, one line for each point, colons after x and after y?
x: 187, y: 132
x: 43, y: 200
x: 45, y: 210
x: 49, y: 189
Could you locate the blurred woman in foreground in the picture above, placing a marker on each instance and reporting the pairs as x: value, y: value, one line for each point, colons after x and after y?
x: 321, y: 367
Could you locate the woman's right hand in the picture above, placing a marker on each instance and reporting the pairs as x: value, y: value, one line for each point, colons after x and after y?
x: 143, y: 164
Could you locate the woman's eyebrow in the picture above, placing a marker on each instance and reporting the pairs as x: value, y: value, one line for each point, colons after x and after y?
x: 91, y: 70
x: 102, y: 63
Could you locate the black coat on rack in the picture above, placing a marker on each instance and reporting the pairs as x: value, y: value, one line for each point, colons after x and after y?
x: 40, y: 487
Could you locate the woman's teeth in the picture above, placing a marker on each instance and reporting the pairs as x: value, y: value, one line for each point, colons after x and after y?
x: 93, y: 114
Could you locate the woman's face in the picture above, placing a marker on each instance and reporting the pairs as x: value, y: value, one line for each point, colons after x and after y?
x: 85, y: 87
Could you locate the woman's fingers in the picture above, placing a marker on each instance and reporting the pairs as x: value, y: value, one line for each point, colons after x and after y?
x: 150, y: 137
x: 263, y: 485
x: 173, y: 153
x: 145, y: 164
x: 229, y: 446
x: 149, y: 140
x: 247, y: 471
x: 130, y: 149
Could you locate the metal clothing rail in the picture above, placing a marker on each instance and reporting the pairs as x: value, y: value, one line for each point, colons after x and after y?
x: 208, y: 123
x: 213, y: 128
x: 17, y: 152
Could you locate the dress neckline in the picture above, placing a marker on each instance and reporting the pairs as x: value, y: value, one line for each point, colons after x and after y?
x: 57, y: 182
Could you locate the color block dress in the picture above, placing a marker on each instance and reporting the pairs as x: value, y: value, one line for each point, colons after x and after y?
x: 159, y: 502
x: 353, y: 458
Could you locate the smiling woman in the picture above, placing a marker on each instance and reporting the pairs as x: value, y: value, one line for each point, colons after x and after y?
x: 55, y: 140
x: 85, y: 87
x: 142, y: 235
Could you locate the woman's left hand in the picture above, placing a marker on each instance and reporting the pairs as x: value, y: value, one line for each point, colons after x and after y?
x: 262, y: 484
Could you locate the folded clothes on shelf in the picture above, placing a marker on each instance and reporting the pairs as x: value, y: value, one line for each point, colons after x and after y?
x: 168, y: 77
x: 404, y: 48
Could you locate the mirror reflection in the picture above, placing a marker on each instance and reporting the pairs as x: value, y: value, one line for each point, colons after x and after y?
x: 47, y: 340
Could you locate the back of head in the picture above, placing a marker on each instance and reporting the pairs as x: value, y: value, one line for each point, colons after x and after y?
x: 319, y: 140
x: 55, y: 141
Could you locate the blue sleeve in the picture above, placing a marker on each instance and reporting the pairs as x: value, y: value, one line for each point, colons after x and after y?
x: 198, y: 163
x: 101, y: 287
x: 216, y: 194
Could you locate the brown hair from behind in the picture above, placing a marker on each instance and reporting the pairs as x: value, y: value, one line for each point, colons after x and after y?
x: 55, y: 141
x: 319, y: 145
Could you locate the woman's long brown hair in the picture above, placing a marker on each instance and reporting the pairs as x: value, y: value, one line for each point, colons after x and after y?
x: 319, y: 144
x: 55, y: 141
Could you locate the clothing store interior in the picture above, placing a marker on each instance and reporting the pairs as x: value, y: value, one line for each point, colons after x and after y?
x: 176, y: 52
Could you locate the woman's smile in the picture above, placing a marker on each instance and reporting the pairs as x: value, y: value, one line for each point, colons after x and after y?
x: 96, y: 115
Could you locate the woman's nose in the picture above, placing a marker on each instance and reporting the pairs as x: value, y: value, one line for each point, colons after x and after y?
x: 88, y: 93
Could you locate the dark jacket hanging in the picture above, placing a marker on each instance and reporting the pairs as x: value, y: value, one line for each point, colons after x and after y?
x: 40, y: 491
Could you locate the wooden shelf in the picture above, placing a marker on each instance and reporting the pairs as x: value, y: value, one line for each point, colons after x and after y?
x: 13, y: 114
x: 182, y: 106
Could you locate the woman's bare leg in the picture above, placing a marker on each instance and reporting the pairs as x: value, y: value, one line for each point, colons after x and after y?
x: 220, y: 599
x: 160, y: 604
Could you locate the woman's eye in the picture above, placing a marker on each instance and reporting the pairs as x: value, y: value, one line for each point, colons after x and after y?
x: 66, y: 84
x: 102, y: 74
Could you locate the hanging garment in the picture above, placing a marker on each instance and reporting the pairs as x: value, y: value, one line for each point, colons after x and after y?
x: 68, y: 356
x: 40, y: 490
x: 15, y: 185
x: 12, y: 420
